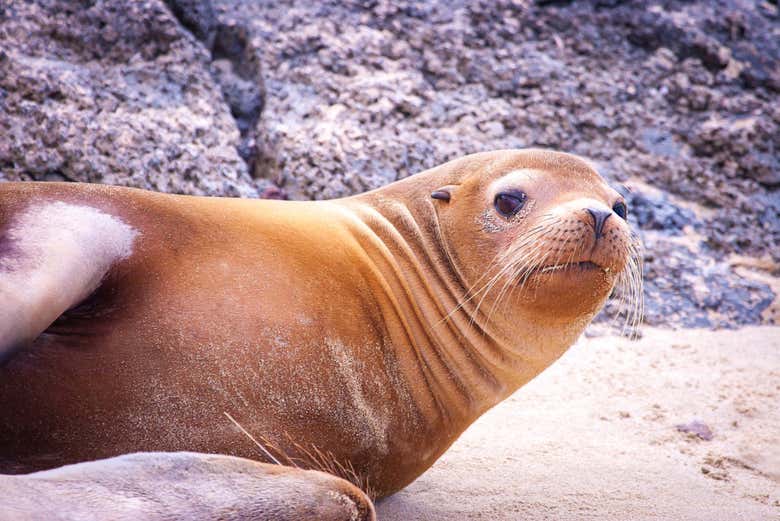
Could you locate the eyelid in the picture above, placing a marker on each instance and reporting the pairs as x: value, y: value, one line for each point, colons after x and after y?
x: 514, y: 194
x: 519, y: 194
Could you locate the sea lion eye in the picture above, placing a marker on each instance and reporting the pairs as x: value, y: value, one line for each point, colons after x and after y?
x: 620, y: 209
x: 509, y: 203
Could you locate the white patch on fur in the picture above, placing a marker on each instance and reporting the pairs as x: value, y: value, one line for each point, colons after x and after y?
x: 56, y: 228
x: 59, y: 254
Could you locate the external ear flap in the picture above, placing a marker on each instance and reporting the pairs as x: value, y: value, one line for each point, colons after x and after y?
x: 443, y: 194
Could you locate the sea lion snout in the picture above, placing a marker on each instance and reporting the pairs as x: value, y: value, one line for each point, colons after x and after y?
x: 603, y: 236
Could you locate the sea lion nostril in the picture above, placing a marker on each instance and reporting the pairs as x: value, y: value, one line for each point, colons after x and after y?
x: 599, y: 218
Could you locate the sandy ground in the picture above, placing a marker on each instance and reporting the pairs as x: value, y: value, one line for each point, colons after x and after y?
x: 594, y: 437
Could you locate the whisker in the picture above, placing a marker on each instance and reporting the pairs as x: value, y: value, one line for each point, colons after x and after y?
x: 527, y: 239
x: 629, y: 286
x: 259, y: 445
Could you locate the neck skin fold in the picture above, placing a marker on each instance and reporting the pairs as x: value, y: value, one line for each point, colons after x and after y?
x: 457, y: 363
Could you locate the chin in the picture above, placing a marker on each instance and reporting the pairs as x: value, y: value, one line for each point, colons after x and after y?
x: 572, y: 291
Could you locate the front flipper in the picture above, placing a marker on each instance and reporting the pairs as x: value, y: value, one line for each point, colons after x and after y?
x: 53, y: 255
x: 181, y: 485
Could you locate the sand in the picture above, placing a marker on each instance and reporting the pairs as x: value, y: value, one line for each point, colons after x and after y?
x: 595, y: 437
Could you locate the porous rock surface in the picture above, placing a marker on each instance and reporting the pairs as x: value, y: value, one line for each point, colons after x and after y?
x: 114, y: 92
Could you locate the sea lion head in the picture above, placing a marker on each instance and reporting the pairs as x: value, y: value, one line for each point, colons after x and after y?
x: 535, y: 235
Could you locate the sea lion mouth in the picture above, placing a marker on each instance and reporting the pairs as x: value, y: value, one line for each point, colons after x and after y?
x: 573, y: 266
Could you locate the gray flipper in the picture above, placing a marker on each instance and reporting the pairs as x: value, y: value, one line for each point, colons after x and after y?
x: 180, y: 485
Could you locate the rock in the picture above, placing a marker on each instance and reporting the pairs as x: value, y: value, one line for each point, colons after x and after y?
x: 749, y: 142
x: 691, y: 289
x: 715, y: 33
x: 698, y: 429
x: 658, y: 213
x: 114, y: 92
x: 198, y: 16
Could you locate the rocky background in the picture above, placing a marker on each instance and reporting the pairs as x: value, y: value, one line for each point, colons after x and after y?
x: 677, y: 101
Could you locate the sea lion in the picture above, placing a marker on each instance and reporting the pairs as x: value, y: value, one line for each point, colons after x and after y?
x: 359, y: 335
x: 180, y: 485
